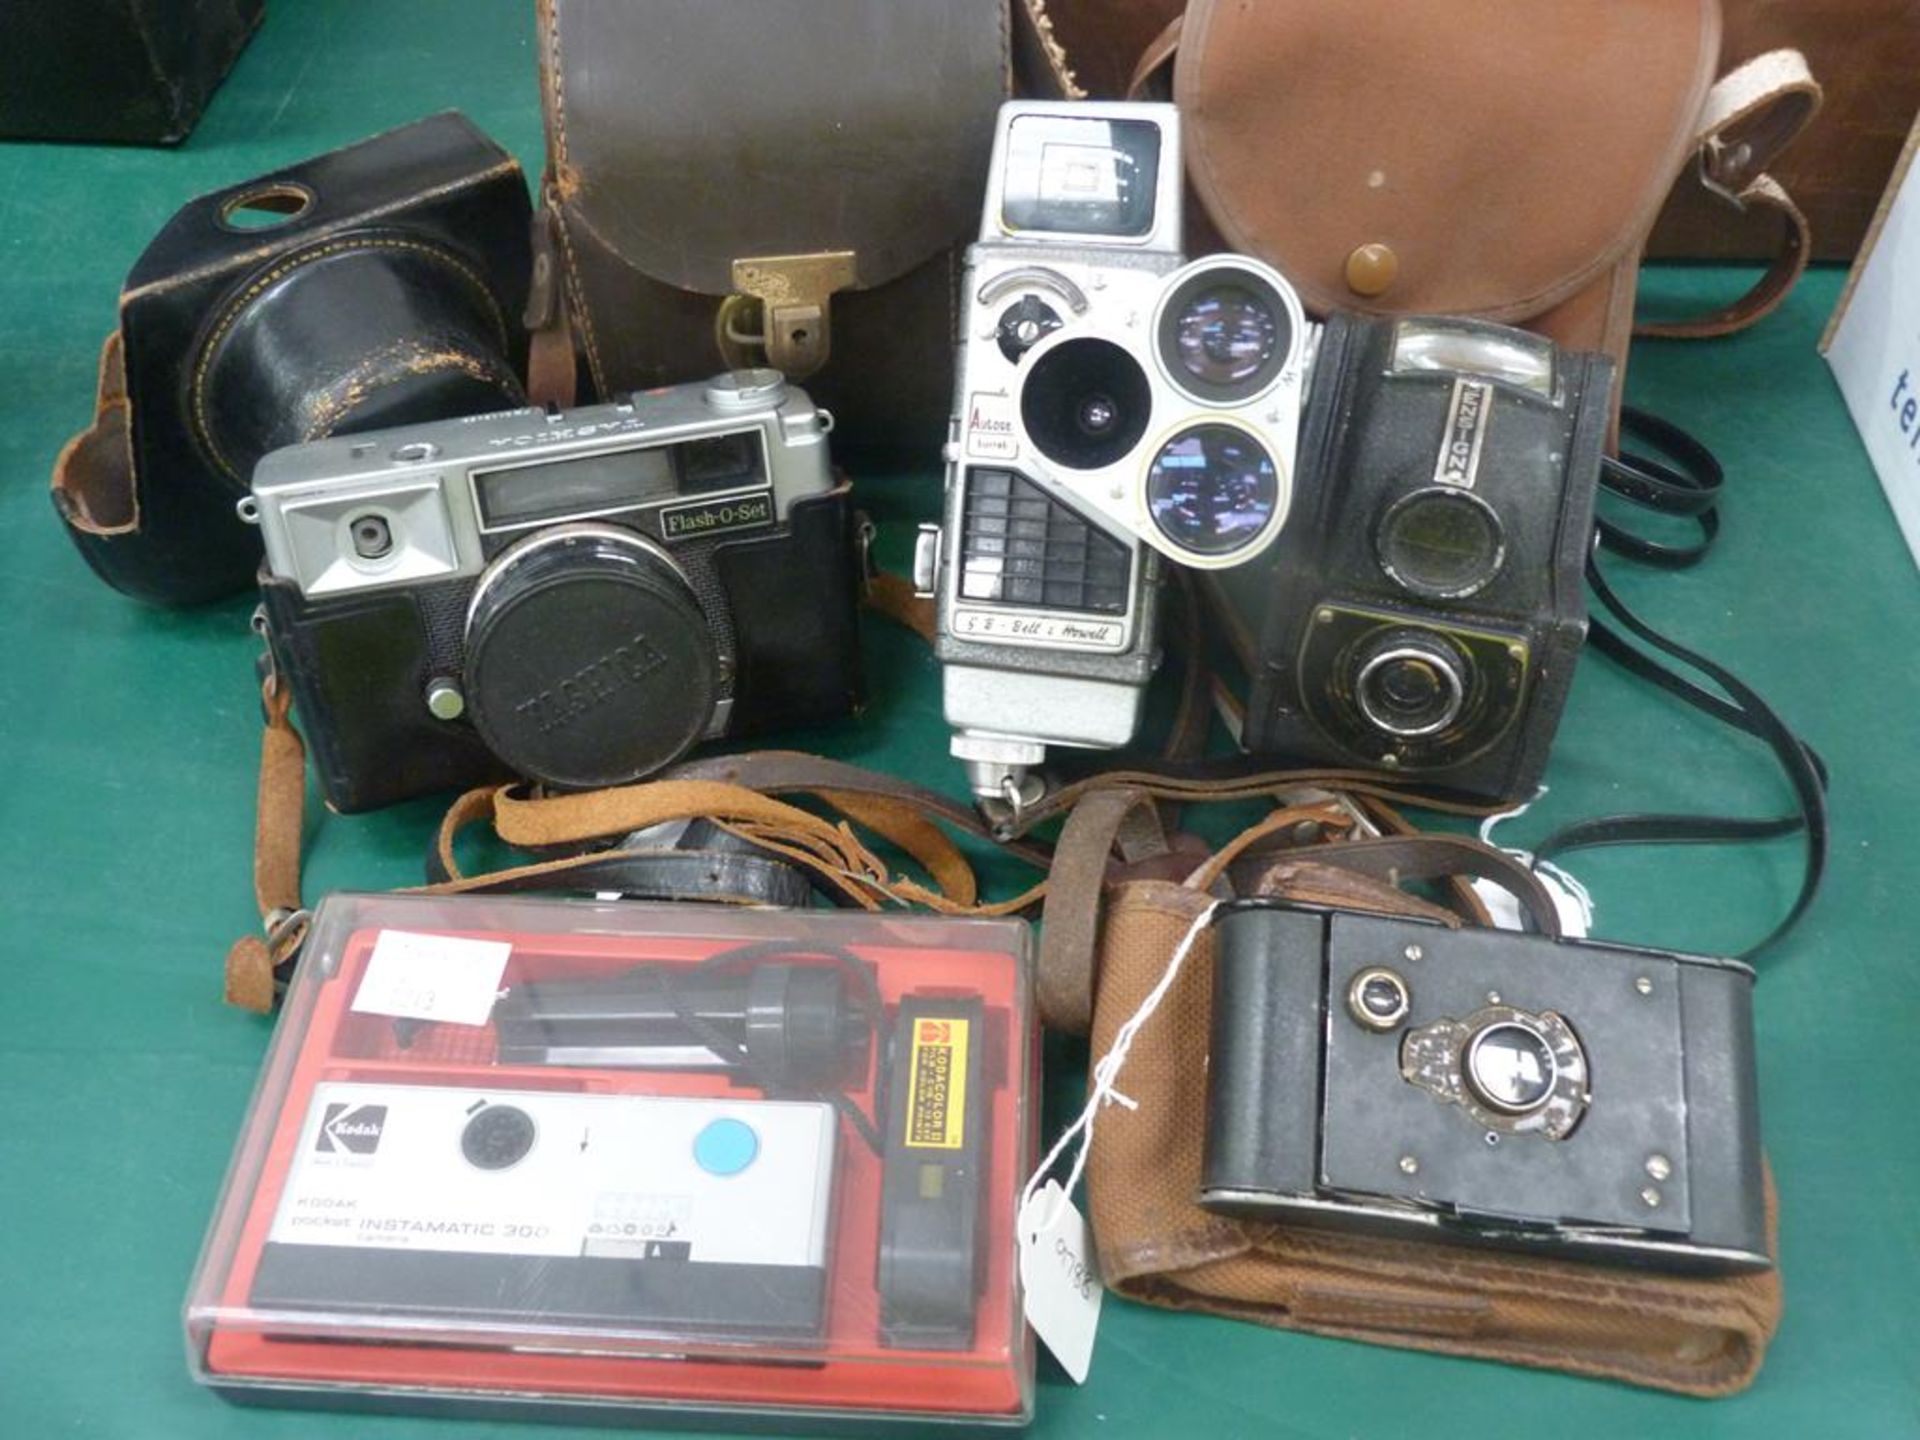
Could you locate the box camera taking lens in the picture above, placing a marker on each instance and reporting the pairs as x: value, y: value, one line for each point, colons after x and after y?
x: 1592, y: 1101
x: 574, y: 597
x: 1116, y: 408
x: 1423, y: 611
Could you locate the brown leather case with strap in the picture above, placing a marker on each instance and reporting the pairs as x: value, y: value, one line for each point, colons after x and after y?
x: 1699, y: 1335
x: 788, y: 182
x: 1497, y: 158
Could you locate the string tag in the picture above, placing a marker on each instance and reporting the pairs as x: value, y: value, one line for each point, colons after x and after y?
x: 1570, y: 897
x: 1060, y: 1277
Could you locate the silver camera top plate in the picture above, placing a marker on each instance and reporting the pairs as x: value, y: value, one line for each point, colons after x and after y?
x: 367, y: 512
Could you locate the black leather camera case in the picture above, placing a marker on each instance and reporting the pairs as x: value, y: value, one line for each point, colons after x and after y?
x: 390, y: 291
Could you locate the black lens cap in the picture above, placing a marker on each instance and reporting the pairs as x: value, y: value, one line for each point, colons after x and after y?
x: 589, y: 659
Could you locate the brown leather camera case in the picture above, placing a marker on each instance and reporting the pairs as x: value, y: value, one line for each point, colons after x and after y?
x: 1494, y: 158
x: 800, y: 172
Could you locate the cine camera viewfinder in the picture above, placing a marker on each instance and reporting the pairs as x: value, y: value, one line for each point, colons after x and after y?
x: 1070, y: 176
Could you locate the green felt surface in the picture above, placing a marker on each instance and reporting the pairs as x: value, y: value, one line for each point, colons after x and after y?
x: 125, y: 822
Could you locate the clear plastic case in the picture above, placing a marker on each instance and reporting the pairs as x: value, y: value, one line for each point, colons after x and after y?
x: 536, y: 1155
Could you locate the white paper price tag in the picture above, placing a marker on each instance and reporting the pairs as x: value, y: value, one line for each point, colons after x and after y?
x: 1061, y: 1278
x: 432, y: 977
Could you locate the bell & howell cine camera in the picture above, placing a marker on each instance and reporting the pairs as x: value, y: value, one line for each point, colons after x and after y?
x: 577, y: 598
x: 1422, y: 611
x: 1117, y: 408
x: 1589, y: 1101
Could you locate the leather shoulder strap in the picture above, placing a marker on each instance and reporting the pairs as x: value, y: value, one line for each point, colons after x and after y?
x: 1070, y: 934
x: 1752, y: 113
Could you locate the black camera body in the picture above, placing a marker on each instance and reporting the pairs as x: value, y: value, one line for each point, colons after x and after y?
x: 376, y: 285
x: 1422, y: 610
x: 1485, y: 1087
x: 576, y: 598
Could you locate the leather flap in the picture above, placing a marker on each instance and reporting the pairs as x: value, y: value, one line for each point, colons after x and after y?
x: 1500, y: 154
x: 687, y: 134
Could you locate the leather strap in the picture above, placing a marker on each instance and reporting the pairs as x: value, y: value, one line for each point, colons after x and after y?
x: 1692, y: 489
x: 1752, y: 113
x: 279, y: 817
x: 893, y: 596
x: 1773, y: 286
x: 553, y: 372
x: 93, y: 485
x: 1152, y: 77
x: 1070, y: 922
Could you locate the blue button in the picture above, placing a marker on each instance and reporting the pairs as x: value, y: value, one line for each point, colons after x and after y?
x: 725, y: 1147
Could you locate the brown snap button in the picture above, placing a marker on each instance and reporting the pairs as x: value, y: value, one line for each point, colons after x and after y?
x: 1371, y: 268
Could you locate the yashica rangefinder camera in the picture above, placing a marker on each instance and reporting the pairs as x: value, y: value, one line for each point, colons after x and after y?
x: 576, y: 597
x: 1116, y: 408
x: 1423, y: 612
x: 1586, y: 1100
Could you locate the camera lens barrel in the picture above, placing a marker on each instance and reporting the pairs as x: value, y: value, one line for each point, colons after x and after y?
x: 589, y: 659
x: 1410, y: 683
x: 359, y: 334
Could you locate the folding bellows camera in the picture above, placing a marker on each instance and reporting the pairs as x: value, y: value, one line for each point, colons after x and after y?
x: 1582, y: 1100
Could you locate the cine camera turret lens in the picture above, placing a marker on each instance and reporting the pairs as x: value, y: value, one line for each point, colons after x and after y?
x: 1224, y: 334
x: 1086, y: 404
x: 1212, y: 489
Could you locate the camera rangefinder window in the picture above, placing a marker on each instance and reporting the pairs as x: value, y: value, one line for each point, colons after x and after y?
x: 615, y: 480
x: 1513, y: 357
x: 1212, y: 488
x: 1080, y: 177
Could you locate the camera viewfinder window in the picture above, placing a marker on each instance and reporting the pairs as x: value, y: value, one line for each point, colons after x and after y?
x: 592, y: 484
x: 721, y: 462
x: 1080, y: 177
x: 1512, y: 358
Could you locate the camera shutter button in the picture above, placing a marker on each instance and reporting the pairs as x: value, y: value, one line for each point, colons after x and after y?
x: 726, y: 1146
x: 754, y: 389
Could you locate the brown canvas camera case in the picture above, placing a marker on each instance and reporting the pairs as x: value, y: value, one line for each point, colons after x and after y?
x: 1489, y: 158
x: 791, y: 180
x: 1700, y: 1335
